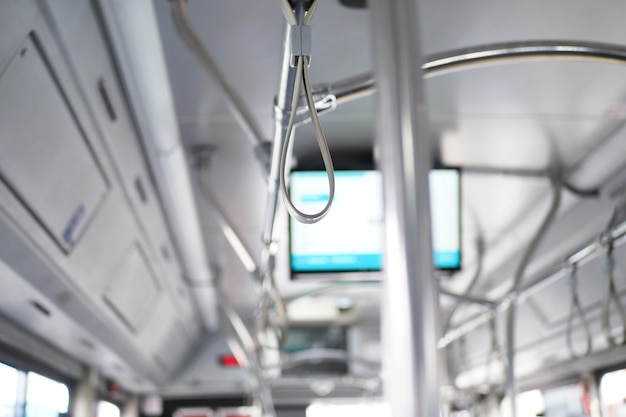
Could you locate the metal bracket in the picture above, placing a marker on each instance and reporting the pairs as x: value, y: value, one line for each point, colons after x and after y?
x: 325, y: 101
x: 299, y: 35
x: 202, y: 155
x: 300, y: 43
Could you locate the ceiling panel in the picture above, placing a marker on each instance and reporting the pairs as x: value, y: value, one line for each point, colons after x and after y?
x: 447, y: 26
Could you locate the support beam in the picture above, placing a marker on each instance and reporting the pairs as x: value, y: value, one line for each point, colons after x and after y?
x: 131, y: 407
x: 85, y: 395
x: 409, y: 308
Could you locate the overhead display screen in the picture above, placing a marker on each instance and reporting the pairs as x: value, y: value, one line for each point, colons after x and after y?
x: 445, y: 215
x: 350, y: 237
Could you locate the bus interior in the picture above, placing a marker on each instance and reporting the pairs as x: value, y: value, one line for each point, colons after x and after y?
x: 312, y: 208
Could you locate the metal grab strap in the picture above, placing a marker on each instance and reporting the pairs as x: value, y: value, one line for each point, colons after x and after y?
x: 300, y: 58
x: 610, y: 294
x: 616, y: 234
x: 577, y: 309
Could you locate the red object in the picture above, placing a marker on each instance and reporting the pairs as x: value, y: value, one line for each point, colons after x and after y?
x: 586, y: 399
x: 229, y: 361
x: 112, y: 387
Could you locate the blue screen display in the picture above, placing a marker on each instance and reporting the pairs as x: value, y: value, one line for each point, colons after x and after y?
x: 350, y: 237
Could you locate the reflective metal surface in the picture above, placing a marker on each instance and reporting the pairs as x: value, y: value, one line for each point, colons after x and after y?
x: 409, y: 306
x: 457, y: 60
x: 580, y: 258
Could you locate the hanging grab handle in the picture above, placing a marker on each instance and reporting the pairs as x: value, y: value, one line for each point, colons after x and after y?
x: 300, y: 47
x: 577, y: 309
x: 610, y: 294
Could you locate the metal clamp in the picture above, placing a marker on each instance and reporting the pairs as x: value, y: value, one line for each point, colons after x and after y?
x: 300, y: 44
x: 299, y: 16
x: 325, y: 101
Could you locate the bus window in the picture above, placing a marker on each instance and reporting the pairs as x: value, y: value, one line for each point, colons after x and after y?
x: 45, y: 397
x: 567, y: 401
x: 107, y: 409
x: 613, y: 393
x: 528, y: 404
x: 360, y: 408
x: 9, y: 380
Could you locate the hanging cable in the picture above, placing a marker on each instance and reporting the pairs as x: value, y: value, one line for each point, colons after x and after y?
x: 272, y: 301
x: 300, y: 42
x: 480, y: 251
x: 577, y: 308
x: 495, y: 352
x: 610, y: 294
x: 288, y: 12
x: 534, y: 243
x: 517, y: 279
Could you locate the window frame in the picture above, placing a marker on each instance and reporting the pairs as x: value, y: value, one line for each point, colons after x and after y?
x: 24, y: 366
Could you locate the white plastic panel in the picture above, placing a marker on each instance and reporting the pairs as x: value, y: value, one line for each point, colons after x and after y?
x: 153, y: 314
x: 88, y: 52
x: 164, y: 336
x: 133, y: 288
x: 43, y: 155
x: 174, y: 345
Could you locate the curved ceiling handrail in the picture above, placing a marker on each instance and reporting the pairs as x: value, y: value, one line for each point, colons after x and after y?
x: 486, y: 54
x: 468, y: 58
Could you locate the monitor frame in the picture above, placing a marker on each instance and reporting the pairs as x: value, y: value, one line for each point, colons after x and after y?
x: 364, y: 275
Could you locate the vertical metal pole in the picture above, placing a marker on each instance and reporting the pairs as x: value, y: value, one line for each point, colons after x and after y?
x: 511, y: 388
x: 130, y: 407
x: 594, y: 393
x: 409, y: 311
x: 84, y: 398
x: 282, y: 109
